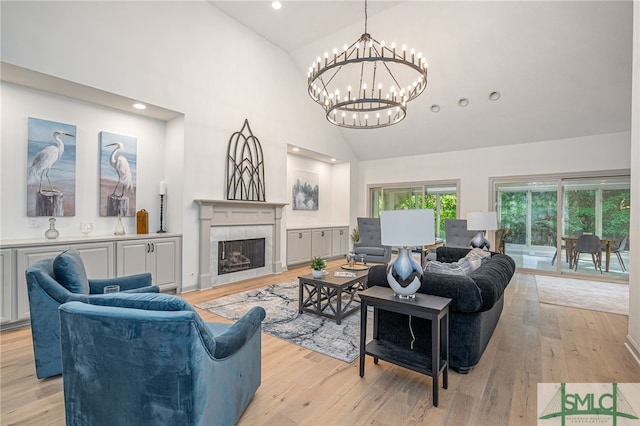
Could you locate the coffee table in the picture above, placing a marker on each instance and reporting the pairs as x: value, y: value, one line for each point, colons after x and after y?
x: 330, y: 296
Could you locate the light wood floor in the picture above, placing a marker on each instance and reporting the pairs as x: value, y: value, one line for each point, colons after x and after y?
x: 533, y: 343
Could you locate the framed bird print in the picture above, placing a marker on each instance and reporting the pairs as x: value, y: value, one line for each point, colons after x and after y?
x: 51, y: 168
x: 118, y: 164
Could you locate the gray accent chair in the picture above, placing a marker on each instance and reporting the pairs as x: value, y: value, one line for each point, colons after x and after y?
x: 370, y: 243
x: 457, y: 234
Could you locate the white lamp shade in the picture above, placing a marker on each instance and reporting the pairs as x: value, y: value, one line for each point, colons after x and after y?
x: 482, y: 221
x: 407, y: 228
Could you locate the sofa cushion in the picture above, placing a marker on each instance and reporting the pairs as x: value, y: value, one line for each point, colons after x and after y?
x: 476, y: 256
x: 69, y: 271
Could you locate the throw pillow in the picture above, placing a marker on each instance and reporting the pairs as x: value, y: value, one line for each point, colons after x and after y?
x: 478, y: 253
x: 454, y: 268
x: 70, y: 273
x: 475, y: 257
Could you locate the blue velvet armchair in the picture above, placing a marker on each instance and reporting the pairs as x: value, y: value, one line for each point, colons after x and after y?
x: 52, y: 282
x: 149, y: 359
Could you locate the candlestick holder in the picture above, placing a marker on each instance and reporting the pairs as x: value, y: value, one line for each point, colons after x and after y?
x: 161, y: 230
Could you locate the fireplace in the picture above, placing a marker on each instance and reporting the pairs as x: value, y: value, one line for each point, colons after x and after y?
x: 231, y: 220
x: 240, y: 255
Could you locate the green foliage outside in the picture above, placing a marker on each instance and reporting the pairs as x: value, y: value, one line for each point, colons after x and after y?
x: 579, y: 214
x: 448, y: 206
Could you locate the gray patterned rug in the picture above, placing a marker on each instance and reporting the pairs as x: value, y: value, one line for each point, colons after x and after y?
x: 283, y: 321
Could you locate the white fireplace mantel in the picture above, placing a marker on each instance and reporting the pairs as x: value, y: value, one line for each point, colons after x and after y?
x: 236, y: 213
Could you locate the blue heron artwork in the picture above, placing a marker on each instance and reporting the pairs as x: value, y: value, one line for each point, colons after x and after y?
x: 51, y: 168
x: 118, y: 158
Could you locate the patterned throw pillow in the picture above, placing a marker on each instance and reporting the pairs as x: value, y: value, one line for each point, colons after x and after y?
x: 461, y: 267
x: 475, y: 257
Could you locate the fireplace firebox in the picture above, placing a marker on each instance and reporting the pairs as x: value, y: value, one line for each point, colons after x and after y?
x: 240, y: 255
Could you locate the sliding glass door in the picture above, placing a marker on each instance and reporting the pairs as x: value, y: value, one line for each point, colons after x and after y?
x: 546, y: 217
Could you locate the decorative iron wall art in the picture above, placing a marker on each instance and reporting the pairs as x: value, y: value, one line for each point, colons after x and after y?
x: 245, y: 166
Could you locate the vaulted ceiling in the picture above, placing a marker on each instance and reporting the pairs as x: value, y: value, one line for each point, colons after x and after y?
x: 563, y: 69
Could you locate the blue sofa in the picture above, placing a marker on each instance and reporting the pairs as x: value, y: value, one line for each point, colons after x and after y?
x: 52, y: 282
x: 149, y: 359
x: 477, y: 302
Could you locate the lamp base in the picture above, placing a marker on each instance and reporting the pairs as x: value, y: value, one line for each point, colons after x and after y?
x: 480, y: 241
x: 404, y: 274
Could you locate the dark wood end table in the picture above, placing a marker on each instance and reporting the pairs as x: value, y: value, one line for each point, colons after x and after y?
x: 324, y: 296
x: 433, y: 308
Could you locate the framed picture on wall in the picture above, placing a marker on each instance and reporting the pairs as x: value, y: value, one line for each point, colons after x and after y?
x: 118, y: 166
x: 51, y: 168
x: 305, y: 190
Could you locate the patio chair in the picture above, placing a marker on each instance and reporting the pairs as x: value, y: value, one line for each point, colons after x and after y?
x: 589, y: 243
x: 619, y: 247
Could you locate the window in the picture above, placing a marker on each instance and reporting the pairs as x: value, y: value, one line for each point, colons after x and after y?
x: 441, y: 197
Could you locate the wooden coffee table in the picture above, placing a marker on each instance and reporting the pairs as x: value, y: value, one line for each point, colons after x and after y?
x: 331, y: 296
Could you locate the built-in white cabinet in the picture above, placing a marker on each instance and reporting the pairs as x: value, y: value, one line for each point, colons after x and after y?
x: 303, y: 244
x: 6, y: 275
x: 298, y: 246
x: 103, y: 257
x: 159, y: 256
x: 97, y: 258
x: 321, y: 242
x: 340, y: 241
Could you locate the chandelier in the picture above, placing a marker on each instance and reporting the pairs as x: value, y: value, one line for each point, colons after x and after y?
x: 367, y: 85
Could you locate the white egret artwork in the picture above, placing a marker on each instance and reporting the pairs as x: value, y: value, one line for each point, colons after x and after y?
x: 305, y: 190
x: 118, y: 159
x: 51, y: 168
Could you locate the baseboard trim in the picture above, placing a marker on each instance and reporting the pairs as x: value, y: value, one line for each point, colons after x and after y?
x: 633, y: 348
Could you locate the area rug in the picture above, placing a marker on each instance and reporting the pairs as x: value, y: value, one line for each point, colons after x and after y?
x: 283, y: 321
x: 592, y: 295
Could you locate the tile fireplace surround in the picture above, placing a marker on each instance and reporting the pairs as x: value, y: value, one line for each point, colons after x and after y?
x: 246, y: 216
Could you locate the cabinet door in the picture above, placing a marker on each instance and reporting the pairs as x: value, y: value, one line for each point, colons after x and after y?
x: 97, y: 259
x: 298, y: 247
x: 345, y: 237
x: 132, y: 257
x: 321, y: 243
x: 6, y: 290
x: 166, y: 258
x: 340, y: 241
x: 25, y: 258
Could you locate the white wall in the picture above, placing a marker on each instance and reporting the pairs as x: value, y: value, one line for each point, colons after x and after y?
x: 19, y: 103
x: 333, y: 196
x: 475, y: 167
x: 187, y: 57
x: 633, y: 338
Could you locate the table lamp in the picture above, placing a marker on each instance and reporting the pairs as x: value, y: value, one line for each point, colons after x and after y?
x: 481, y: 222
x: 406, y: 229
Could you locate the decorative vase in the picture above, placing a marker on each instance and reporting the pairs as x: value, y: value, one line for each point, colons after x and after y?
x: 52, y: 233
x: 404, y: 274
x: 317, y: 273
x: 86, y: 228
x: 119, y: 227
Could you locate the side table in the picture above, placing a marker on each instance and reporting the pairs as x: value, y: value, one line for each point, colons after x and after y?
x: 433, y: 308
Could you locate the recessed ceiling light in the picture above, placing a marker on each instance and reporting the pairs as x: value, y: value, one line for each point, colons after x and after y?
x: 494, y: 96
x: 463, y: 102
x: 435, y: 108
x: 276, y: 5
x: 295, y: 149
x: 139, y: 106
x: 333, y: 160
